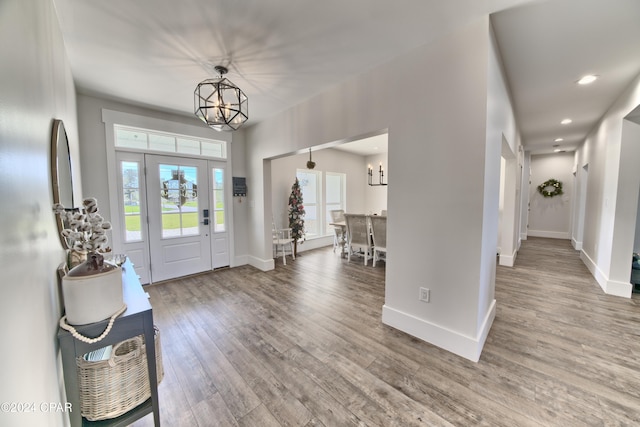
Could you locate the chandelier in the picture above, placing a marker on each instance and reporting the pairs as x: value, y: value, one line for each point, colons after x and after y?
x: 221, y: 104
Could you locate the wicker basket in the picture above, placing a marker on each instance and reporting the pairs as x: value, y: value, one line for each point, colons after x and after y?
x: 111, y: 387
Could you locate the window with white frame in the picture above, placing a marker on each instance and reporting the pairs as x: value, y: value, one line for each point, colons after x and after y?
x: 320, y: 196
x: 311, y: 186
x: 147, y: 140
x: 335, y: 190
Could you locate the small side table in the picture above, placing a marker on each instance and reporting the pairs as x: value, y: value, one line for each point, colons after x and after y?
x: 136, y: 320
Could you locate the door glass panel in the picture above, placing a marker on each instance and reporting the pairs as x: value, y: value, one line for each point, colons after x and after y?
x: 179, y: 200
x: 218, y: 200
x: 131, y: 200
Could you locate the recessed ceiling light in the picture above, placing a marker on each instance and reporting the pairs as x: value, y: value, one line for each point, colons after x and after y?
x: 589, y: 78
x: 558, y: 140
x: 566, y: 121
x: 558, y: 150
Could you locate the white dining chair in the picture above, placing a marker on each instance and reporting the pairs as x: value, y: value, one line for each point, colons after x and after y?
x: 282, y: 242
x: 379, y: 237
x: 337, y: 216
x: 358, y: 236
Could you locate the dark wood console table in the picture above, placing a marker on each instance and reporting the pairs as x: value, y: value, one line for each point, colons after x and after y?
x: 136, y: 320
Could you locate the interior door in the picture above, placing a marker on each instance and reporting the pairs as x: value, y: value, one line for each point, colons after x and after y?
x: 179, y: 216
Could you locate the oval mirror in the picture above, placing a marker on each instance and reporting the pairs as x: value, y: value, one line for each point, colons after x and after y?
x: 61, y: 173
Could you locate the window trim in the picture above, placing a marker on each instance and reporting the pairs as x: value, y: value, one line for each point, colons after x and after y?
x: 175, y: 136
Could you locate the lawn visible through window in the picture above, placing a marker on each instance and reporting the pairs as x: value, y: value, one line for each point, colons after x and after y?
x: 179, y: 200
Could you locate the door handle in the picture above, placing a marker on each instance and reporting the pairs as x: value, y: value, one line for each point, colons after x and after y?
x: 206, y: 221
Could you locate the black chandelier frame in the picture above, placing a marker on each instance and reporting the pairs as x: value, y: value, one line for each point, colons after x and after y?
x: 220, y: 104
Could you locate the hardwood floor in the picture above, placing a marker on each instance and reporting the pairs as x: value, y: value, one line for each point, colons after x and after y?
x: 303, y: 345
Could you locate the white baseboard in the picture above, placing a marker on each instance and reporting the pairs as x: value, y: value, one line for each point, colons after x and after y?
x: 464, y: 346
x: 523, y: 236
x: 508, y: 260
x: 549, y: 234
x: 610, y: 287
x: 269, y: 264
x: 315, y: 243
x: 261, y: 264
x: 576, y: 244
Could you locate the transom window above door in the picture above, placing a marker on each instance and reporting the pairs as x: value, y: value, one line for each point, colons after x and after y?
x: 154, y: 141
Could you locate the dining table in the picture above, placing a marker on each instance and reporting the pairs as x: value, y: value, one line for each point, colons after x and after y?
x: 342, y: 225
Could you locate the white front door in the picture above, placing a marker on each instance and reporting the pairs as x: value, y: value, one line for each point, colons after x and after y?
x: 179, y: 217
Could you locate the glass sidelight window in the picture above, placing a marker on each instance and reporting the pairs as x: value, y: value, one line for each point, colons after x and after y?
x: 219, y: 224
x: 131, y: 200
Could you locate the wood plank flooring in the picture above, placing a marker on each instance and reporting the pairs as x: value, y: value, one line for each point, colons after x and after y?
x: 303, y: 345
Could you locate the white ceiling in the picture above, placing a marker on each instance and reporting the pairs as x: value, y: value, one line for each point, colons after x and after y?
x: 372, y: 145
x: 281, y: 52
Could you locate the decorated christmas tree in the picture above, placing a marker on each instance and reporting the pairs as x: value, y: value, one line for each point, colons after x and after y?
x: 296, y: 215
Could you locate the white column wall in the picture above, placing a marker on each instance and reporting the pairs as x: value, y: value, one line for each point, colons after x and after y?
x: 437, y: 142
x: 500, y: 127
x: 36, y: 87
x: 626, y: 210
x: 602, y: 152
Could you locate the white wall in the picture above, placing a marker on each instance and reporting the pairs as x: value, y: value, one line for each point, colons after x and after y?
x: 440, y: 212
x: 36, y: 87
x: 636, y: 240
x: 551, y: 216
x: 626, y: 206
x: 606, y: 217
x: 525, y: 176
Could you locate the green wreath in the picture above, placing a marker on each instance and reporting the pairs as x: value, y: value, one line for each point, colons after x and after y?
x: 557, y: 188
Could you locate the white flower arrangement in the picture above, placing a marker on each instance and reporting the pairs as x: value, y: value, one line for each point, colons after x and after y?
x: 85, y: 230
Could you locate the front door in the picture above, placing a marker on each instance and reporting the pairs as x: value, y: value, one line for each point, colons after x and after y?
x: 179, y: 216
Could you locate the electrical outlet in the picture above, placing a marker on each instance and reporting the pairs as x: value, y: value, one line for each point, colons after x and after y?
x: 425, y: 294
